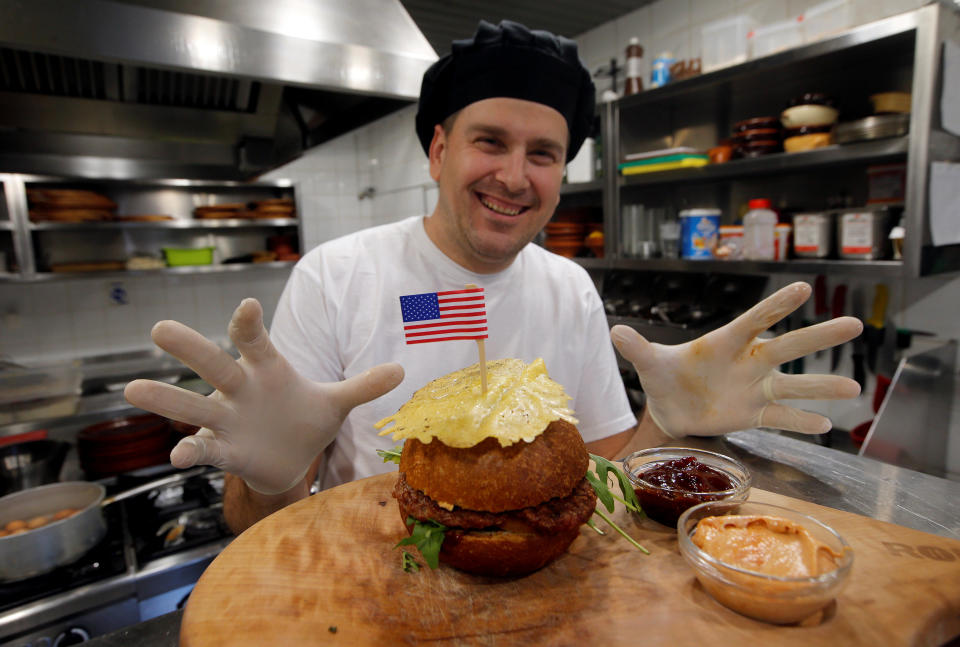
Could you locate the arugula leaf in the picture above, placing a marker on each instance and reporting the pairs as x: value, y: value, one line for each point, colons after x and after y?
x: 391, y: 455
x: 427, y: 536
x: 629, y: 495
x: 408, y: 563
x: 600, y: 484
x: 603, y: 492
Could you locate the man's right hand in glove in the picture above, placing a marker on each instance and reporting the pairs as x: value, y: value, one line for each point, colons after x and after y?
x: 265, y: 422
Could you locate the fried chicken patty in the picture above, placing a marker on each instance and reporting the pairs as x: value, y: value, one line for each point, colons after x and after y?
x: 556, y: 515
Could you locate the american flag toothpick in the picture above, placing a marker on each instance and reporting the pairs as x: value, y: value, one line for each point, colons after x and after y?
x: 447, y: 316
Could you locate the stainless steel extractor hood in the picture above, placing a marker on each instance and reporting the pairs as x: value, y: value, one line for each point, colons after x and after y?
x: 217, y: 89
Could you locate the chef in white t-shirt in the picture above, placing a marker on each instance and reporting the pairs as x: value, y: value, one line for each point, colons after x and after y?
x: 499, y: 117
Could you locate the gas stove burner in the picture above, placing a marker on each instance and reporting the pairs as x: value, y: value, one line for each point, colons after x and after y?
x: 193, y: 523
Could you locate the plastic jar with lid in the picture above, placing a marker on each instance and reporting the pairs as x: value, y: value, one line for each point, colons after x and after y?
x: 759, y: 224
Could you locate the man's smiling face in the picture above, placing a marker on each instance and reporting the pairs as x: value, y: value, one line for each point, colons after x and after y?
x: 499, y: 167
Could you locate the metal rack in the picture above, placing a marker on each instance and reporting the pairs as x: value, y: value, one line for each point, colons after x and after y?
x: 699, y: 111
x: 24, y: 232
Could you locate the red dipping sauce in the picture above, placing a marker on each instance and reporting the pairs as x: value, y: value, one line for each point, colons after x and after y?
x: 667, y: 488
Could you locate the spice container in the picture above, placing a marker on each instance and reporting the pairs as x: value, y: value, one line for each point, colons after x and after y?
x: 812, y: 235
x: 698, y: 232
x: 863, y: 233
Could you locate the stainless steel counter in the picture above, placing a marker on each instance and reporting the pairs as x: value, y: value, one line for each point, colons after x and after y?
x: 780, y: 464
x: 836, y: 479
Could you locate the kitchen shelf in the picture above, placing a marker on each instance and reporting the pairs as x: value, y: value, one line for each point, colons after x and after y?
x: 901, y: 53
x: 865, y: 152
x: 180, y: 223
x: 576, y: 188
x: 48, y: 243
x: 880, y: 37
x: 891, y: 269
x: 191, y: 269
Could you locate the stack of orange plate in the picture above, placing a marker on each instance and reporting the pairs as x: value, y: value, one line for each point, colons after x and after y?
x: 69, y: 205
x: 564, y: 238
x: 224, y: 210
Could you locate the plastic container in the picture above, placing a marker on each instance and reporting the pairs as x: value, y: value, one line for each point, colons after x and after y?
x: 670, y: 238
x: 770, y: 598
x: 781, y: 241
x: 699, y: 229
x: 863, y: 233
x: 776, y: 37
x: 730, y: 246
x: 812, y: 235
x: 177, y: 257
x: 827, y: 19
x: 724, y: 42
x: 759, y: 225
x: 660, y: 70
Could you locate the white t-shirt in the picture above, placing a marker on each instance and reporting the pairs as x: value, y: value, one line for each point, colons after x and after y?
x: 340, y: 314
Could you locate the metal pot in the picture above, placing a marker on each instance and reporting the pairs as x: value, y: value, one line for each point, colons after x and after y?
x: 29, y: 464
x: 60, y: 542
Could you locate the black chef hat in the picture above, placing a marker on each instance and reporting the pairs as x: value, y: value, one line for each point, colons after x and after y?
x: 509, y: 60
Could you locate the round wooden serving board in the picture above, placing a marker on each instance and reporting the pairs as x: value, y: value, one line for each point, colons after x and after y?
x: 325, y: 571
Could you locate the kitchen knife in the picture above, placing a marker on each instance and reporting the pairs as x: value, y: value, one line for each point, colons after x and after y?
x: 820, y: 309
x: 873, y: 329
x: 839, y: 300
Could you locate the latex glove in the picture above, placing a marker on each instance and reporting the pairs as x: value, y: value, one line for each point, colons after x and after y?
x: 728, y: 380
x: 265, y: 422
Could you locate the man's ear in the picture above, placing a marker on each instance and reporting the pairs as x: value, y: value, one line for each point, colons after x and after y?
x: 438, y: 150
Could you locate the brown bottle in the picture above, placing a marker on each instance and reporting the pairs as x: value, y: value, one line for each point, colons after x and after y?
x: 634, y: 83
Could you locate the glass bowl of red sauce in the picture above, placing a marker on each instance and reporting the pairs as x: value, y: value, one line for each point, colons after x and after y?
x: 669, y: 480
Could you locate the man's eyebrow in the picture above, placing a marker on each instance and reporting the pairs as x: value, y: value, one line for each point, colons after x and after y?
x: 499, y: 131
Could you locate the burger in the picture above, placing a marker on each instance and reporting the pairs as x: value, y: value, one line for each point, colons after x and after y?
x: 503, y: 471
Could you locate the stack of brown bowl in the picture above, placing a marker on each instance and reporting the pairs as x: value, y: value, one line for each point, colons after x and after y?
x: 275, y: 208
x: 564, y: 238
x: 756, y: 137
x: 808, y: 122
x: 69, y: 205
x: 221, y: 211
x: 122, y: 445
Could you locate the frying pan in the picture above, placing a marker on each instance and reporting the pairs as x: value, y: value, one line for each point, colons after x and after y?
x: 61, y: 542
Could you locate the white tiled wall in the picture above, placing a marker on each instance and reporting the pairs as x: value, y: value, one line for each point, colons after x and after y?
x: 46, y: 322
x: 330, y: 179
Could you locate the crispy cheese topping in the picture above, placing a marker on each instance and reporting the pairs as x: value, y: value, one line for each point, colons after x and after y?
x: 520, y: 402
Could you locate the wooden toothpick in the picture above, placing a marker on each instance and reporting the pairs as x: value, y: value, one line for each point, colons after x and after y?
x: 482, y: 351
